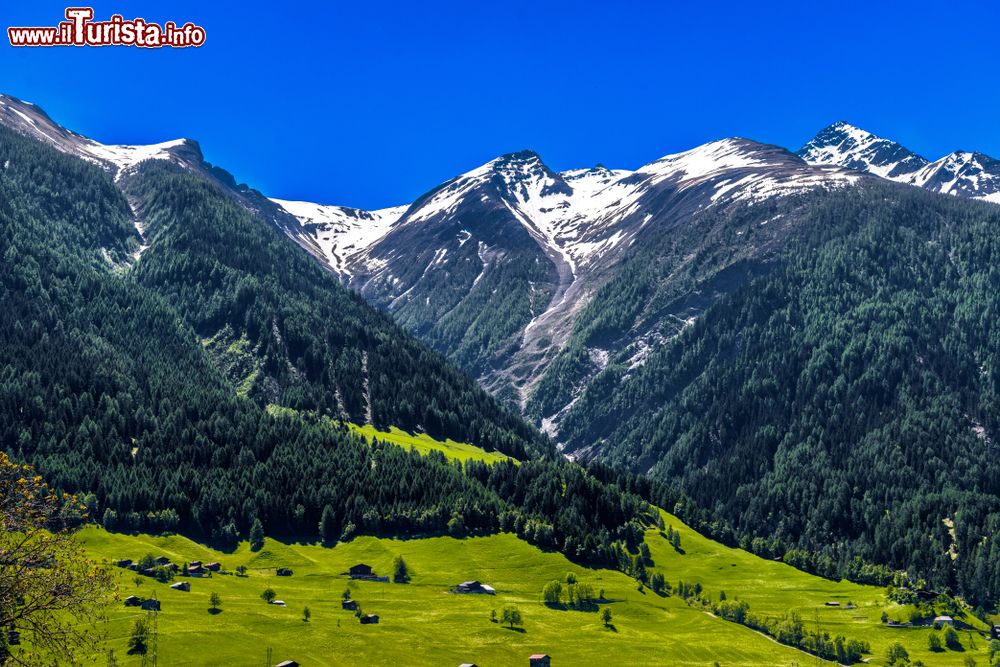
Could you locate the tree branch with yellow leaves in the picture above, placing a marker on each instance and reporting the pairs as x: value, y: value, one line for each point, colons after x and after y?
x: 50, y: 592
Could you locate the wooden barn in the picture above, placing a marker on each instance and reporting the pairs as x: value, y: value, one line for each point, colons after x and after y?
x: 361, y: 570
x: 475, y: 587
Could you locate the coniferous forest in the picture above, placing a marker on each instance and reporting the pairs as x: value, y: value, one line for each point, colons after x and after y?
x: 840, y: 402
x: 145, y: 386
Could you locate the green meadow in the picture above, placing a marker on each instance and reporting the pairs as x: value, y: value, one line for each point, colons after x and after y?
x: 421, y: 442
x: 422, y: 623
x: 773, y: 589
x: 425, y: 444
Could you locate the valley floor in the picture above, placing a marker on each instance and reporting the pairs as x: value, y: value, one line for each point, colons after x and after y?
x: 422, y: 623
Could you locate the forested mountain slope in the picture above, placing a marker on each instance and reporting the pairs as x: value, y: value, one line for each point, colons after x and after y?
x: 143, y: 383
x: 281, y: 328
x: 845, y: 400
x: 285, y: 329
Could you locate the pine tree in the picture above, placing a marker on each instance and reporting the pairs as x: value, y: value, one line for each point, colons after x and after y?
x: 327, y: 524
x: 256, y: 535
x: 138, y: 642
x: 400, y: 571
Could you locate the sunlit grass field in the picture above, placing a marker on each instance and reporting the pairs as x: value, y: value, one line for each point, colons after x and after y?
x: 422, y: 623
x: 773, y: 588
x: 424, y: 444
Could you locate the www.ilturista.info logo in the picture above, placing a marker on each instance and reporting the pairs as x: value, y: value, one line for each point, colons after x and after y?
x: 80, y: 29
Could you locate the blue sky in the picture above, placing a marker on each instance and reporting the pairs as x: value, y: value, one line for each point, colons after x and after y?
x: 372, y: 103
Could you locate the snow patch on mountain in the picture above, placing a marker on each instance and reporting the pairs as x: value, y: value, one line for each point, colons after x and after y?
x: 124, y: 157
x: 704, y: 161
x: 761, y: 187
x: 340, y: 231
x: 24, y: 116
x: 482, y: 252
x: 768, y: 175
x: 589, y: 181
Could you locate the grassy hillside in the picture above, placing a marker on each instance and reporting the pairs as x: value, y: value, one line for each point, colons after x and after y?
x: 421, y: 442
x: 425, y: 444
x: 773, y: 589
x: 423, y: 624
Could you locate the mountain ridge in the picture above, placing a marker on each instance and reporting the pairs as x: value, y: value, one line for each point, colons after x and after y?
x: 582, y: 222
x: 586, y: 184
x: 969, y: 174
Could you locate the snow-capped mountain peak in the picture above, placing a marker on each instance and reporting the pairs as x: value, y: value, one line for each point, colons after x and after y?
x: 544, y: 202
x: 963, y: 174
x: 846, y: 145
x: 522, y: 175
x: 706, y: 160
